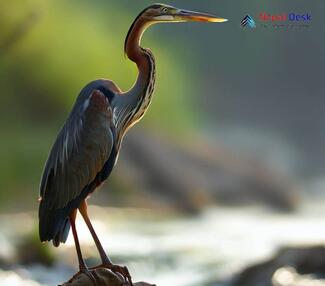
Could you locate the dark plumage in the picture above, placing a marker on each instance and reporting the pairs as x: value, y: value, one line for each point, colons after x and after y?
x: 87, y: 146
x: 81, y: 158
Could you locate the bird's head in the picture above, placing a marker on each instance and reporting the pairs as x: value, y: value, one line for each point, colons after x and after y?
x: 161, y: 13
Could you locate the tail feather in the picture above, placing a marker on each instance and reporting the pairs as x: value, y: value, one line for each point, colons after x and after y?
x: 53, y: 224
x: 62, y: 234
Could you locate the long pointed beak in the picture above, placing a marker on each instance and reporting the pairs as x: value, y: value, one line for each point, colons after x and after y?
x: 191, y: 16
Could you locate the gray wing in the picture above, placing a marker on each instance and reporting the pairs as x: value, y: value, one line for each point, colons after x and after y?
x: 79, y: 152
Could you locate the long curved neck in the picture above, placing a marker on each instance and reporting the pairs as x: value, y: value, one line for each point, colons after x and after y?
x: 133, y: 103
x: 137, y: 54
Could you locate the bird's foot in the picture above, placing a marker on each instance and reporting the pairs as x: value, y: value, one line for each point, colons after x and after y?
x: 122, y: 270
x: 87, y: 272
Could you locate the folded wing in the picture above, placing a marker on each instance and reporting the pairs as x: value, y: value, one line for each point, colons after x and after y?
x: 79, y: 152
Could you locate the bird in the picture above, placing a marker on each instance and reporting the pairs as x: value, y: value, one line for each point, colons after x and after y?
x: 87, y: 146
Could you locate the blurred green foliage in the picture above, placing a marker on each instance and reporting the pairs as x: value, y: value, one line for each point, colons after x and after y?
x: 48, y: 51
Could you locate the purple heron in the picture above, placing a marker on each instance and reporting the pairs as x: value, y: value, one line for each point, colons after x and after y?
x: 86, y: 149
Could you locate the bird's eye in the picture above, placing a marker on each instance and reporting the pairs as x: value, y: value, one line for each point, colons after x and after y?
x: 164, y: 10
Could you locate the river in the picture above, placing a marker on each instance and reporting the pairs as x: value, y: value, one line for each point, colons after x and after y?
x: 168, y: 249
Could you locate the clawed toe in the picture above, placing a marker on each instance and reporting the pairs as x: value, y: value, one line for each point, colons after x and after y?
x: 122, y: 270
x: 89, y: 274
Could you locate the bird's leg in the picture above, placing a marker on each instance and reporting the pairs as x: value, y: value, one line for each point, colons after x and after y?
x: 82, y: 265
x: 72, y: 217
x: 106, y: 262
x: 84, y: 213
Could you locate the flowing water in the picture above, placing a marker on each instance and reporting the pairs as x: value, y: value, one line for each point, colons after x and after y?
x: 170, y: 250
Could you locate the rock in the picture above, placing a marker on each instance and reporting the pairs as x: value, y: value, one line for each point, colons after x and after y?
x: 103, y: 277
x: 291, y: 266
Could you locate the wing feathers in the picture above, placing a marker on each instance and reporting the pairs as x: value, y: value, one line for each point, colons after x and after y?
x: 79, y: 152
